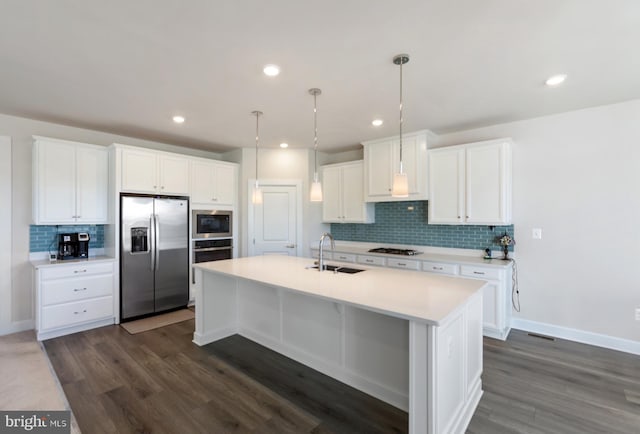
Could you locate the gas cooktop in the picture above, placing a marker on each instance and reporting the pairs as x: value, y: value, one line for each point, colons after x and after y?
x: 391, y: 251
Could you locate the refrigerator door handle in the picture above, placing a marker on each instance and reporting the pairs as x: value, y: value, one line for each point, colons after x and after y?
x: 152, y: 240
x: 157, y: 235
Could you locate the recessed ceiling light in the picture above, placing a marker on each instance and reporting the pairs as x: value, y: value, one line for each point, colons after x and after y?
x: 178, y: 119
x: 376, y: 122
x: 556, y: 80
x: 284, y: 145
x: 271, y: 70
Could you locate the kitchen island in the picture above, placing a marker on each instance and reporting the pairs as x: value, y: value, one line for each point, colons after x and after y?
x: 411, y: 339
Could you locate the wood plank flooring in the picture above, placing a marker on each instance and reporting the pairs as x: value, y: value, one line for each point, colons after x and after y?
x: 160, y: 382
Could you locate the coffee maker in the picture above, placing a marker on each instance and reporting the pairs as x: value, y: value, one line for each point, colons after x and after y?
x: 73, y: 246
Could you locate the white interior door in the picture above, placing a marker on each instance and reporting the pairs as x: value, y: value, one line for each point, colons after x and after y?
x: 5, y: 235
x: 275, y: 222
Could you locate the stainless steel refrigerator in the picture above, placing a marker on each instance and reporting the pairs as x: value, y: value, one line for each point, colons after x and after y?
x: 154, y: 254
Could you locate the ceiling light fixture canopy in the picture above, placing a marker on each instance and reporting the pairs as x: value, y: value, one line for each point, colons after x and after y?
x: 400, y: 182
x: 316, y: 188
x: 256, y: 196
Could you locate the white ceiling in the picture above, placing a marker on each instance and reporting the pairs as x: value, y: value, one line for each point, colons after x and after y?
x: 127, y: 67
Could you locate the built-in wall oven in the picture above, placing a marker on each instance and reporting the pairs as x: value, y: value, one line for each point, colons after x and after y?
x: 211, y: 224
x: 212, y: 250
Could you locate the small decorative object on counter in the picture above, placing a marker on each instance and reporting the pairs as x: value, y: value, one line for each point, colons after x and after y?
x: 505, y: 241
x: 487, y: 253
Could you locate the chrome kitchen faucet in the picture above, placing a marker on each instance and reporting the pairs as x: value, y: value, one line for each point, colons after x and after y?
x: 321, y: 265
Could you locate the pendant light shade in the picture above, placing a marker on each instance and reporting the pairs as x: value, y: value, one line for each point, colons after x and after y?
x: 400, y: 182
x: 316, y: 188
x: 400, y: 185
x: 256, y: 196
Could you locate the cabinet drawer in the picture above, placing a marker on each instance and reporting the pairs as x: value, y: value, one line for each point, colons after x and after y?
x: 344, y: 257
x: 403, y: 263
x: 436, y: 267
x: 79, y: 269
x: 64, y: 290
x: 480, y: 272
x: 371, y: 260
x: 62, y: 315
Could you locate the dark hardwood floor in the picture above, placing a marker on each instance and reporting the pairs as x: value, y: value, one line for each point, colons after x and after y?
x: 160, y: 382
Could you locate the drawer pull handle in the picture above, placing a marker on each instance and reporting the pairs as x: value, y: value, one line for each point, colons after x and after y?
x: 79, y: 271
x: 402, y: 264
x: 78, y: 313
x: 437, y: 268
x: 79, y: 289
x: 368, y: 260
x: 478, y: 272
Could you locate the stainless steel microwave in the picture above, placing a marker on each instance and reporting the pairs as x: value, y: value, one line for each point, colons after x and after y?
x: 211, y: 224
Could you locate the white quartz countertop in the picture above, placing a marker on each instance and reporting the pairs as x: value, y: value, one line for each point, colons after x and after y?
x: 434, y: 257
x: 404, y: 294
x: 44, y: 263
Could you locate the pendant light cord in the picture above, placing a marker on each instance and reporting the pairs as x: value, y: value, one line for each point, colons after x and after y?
x: 257, y: 113
x: 401, y: 120
x: 315, y: 137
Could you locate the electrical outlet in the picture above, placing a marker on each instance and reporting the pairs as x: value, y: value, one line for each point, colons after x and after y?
x: 536, y: 233
x: 637, y: 313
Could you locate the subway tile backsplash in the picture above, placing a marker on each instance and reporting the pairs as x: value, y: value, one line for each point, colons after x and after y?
x: 45, y: 238
x: 396, y: 224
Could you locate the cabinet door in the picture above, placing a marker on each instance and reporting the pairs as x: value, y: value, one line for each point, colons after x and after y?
x: 139, y: 171
x: 56, y: 186
x: 446, y: 186
x: 225, y: 184
x: 333, y: 198
x: 379, y: 159
x: 92, y: 185
x: 174, y: 175
x: 485, y: 184
x: 353, y: 206
x: 491, y: 311
x: 202, y: 182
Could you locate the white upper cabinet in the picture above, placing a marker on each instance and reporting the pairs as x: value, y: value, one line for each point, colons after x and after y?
x: 343, y: 200
x: 173, y: 174
x: 70, y: 182
x: 213, y: 183
x: 147, y: 171
x: 471, y: 184
x: 382, y: 160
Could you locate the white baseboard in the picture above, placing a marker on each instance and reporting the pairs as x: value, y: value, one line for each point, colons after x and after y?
x: 18, y: 326
x: 214, y: 335
x: 584, y: 337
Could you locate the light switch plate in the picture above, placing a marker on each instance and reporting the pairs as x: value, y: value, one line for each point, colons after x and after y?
x: 536, y: 233
x: 637, y: 313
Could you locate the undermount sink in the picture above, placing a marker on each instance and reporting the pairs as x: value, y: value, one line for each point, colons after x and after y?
x: 339, y: 269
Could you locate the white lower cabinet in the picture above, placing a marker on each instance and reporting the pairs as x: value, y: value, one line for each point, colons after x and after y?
x: 73, y: 297
x: 496, y: 305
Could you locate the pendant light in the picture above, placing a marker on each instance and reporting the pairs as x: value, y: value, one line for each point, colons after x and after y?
x: 316, y: 188
x: 400, y: 182
x: 256, y: 197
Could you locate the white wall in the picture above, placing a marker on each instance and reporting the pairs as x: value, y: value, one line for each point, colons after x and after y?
x: 20, y: 130
x: 278, y: 164
x: 577, y: 176
x: 5, y: 234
